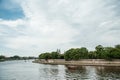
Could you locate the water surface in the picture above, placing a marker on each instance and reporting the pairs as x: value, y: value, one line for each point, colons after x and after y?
x: 21, y: 70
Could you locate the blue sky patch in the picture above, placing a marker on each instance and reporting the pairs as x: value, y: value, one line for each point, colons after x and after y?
x: 10, y: 10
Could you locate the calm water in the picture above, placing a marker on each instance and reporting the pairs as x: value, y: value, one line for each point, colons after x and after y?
x: 21, y: 70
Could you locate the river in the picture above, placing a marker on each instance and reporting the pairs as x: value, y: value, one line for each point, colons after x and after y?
x: 26, y: 70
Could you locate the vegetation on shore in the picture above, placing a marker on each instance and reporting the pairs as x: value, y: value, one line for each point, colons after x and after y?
x: 100, y: 52
x: 2, y: 58
x: 16, y: 57
x: 51, y: 55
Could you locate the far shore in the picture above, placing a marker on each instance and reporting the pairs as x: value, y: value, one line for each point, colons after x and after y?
x: 1, y: 60
x: 82, y: 62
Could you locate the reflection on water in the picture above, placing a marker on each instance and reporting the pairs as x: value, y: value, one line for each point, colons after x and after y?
x: 75, y: 73
x: 111, y: 73
x: 82, y: 73
x: 93, y: 73
x: 20, y: 70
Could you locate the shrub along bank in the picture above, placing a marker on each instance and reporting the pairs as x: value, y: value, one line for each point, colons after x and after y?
x: 83, y: 53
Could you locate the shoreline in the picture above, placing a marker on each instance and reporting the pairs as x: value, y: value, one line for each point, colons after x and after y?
x: 82, y: 62
x: 2, y: 60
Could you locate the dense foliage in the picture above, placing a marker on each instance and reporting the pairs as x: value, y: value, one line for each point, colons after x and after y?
x: 52, y: 55
x: 2, y: 57
x: 16, y: 57
x: 76, y: 54
x: 83, y: 53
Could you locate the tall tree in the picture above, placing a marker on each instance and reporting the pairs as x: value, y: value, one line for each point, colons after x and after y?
x: 99, y: 51
x: 117, y: 46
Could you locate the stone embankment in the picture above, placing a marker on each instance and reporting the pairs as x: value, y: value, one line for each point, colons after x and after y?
x: 82, y: 62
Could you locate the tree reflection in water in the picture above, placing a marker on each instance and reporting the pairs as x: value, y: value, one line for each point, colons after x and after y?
x: 61, y: 72
x: 21, y: 70
x: 92, y: 73
x: 49, y: 72
x: 108, y: 73
x: 75, y: 72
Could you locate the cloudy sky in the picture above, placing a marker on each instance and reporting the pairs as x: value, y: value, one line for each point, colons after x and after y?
x: 29, y: 27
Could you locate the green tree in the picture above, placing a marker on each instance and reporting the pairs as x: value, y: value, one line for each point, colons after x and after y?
x: 114, y: 53
x: 117, y: 46
x: 76, y: 54
x: 61, y: 56
x: 83, y: 53
x: 92, y: 55
x: 2, y: 57
x: 100, y: 51
x: 108, y: 52
x: 45, y: 56
x: 67, y: 54
x: 16, y: 57
x: 54, y: 55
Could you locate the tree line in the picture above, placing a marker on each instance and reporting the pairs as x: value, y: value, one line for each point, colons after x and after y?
x: 52, y: 55
x: 16, y: 57
x: 100, y: 52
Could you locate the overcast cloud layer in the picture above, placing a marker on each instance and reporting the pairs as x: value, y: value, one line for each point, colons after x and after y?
x: 63, y: 24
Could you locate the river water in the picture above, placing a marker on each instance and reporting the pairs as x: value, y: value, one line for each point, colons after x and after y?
x: 26, y: 70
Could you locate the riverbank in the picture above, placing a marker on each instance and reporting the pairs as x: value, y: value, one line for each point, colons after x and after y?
x: 82, y: 62
x: 1, y: 60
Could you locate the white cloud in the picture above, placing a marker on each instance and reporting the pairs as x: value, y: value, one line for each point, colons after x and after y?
x: 52, y: 24
x: 12, y: 23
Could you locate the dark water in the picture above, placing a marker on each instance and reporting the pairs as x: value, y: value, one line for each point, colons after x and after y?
x: 21, y: 70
